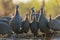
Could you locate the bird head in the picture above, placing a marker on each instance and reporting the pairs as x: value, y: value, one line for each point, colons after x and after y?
x: 41, y: 10
x: 50, y: 17
x: 26, y: 15
x: 17, y: 7
x: 32, y: 9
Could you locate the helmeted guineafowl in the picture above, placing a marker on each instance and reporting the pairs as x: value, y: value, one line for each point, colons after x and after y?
x: 25, y: 25
x: 16, y: 22
x: 43, y: 24
x: 34, y: 26
x: 4, y: 28
x: 54, y: 24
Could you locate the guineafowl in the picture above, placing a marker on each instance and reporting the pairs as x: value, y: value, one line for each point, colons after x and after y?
x: 25, y: 25
x: 43, y: 24
x: 34, y: 26
x: 54, y: 24
x: 16, y: 22
x: 4, y: 28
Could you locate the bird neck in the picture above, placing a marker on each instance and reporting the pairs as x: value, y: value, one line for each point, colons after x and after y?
x: 26, y: 17
x: 34, y: 17
x: 50, y: 19
x: 33, y: 11
x: 42, y: 13
x: 17, y: 12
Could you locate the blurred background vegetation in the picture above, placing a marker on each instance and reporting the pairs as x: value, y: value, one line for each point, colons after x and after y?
x: 7, y: 7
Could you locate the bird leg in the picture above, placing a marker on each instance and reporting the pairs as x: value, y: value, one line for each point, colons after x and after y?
x: 54, y: 33
x: 34, y: 35
x: 13, y: 35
